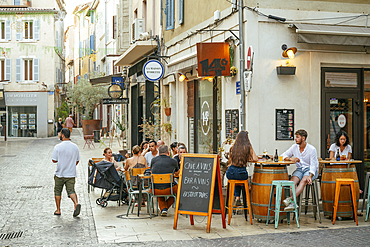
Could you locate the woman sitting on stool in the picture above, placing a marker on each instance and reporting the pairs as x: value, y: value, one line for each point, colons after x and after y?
x: 240, y: 154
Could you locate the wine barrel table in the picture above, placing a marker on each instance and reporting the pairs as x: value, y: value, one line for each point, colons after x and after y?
x: 263, y: 174
x: 330, y: 172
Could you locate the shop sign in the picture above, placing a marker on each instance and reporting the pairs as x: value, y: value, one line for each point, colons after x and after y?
x: 213, y: 59
x: 115, y: 101
x: 153, y: 70
x: 205, y: 110
x: 342, y: 120
x: 115, y: 91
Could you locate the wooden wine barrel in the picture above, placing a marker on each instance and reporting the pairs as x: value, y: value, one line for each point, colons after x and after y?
x: 329, y: 174
x: 261, y: 188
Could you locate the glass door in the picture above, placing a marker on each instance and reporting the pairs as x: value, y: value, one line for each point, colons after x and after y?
x: 367, y: 120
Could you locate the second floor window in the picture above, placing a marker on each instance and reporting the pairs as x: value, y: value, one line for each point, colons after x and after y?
x: 2, y: 33
x: 28, y: 30
x: 17, y: 2
x: 28, y: 67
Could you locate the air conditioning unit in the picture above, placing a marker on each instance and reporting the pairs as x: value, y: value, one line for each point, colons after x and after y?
x: 138, y: 27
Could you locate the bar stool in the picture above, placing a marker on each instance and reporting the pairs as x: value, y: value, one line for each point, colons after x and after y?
x: 368, y: 204
x: 339, y: 182
x: 366, y: 192
x: 246, y: 199
x: 279, y: 184
x: 314, y: 199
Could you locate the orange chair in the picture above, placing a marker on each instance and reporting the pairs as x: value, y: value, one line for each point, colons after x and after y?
x: 339, y: 182
x: 231, y: 186
x: 162, y: 179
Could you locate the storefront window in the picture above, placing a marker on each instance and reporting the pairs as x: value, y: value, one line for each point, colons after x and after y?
x: 340, y: 79
x: 367, y: 120
x: 22, y: 121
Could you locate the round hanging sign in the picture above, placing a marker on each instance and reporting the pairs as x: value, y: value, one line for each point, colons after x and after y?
x: 115, y: 91
x: 153, y: 70
x: 342, y: 120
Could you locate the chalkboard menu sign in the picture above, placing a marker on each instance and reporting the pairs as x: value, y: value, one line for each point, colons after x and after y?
x: 284, y: 124
x: 232, y: 123
x: 199, y: 191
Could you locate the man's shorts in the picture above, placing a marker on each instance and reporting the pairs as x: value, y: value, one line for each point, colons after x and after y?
x: 60, y: 182
x: 301, y: 172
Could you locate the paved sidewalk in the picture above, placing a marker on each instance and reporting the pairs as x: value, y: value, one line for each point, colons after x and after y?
x: 27, y: 205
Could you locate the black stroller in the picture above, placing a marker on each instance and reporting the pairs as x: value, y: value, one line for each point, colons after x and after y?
x: 105, y: 176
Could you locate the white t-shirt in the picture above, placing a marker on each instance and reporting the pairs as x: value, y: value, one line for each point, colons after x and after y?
x: 67, y: 154
x: 347, y: 150
x: 149, y: 156
x: 308, y: 158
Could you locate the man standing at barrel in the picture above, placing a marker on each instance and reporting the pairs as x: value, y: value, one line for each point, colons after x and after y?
x: 305, y: 157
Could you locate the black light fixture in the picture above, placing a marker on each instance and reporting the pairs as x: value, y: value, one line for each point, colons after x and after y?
x: 183, y: 77
x: 288, y: 52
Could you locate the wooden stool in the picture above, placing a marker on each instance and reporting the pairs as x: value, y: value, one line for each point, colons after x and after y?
x: 368, y: 205
x: 246, y: 199
x: 339, y: 182
x: 314, y: 199
x: 366, y: 191
x: 279, y: 184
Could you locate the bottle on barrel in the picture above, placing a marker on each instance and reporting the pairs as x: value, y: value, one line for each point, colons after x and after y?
x: 337, y: 157
x: 276, y: 157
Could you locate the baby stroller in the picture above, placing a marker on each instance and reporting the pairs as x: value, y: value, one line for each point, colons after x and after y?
x: 105, y: 176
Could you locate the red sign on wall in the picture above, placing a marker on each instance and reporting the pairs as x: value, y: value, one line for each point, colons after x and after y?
x: 213, y: 59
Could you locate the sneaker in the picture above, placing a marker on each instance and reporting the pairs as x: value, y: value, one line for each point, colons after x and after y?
x: 238, y: 203
x: 290, y: 207
x: 287, y: 201
x: 164, y: 212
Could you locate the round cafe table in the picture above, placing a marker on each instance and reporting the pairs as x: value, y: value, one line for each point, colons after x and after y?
x: 332, y: 170
x: 266, y: 171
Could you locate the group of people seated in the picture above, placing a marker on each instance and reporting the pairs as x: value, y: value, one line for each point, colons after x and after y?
x: 304, y: 155
x: 161, y: 159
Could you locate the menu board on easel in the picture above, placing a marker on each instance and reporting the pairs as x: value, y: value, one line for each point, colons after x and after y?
x: 199, y: 189
x: 284, y: 124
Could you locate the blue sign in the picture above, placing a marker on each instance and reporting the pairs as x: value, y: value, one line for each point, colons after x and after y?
x: 238, y: 87
x: 153, y: 70
x: 117, y: 79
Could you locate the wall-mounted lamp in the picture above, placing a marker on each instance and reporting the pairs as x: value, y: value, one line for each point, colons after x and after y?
x: 289, y: 52
x: 183, y: 77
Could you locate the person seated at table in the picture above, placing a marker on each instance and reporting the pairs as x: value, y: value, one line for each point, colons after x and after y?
x: 305, y: 157
x: 240, y: 154
x: 341, y: 144
x: 173, y: 147
x: 153, y: 152
x: 164, y: 164
x: 181, y: 150
x: 108, y: 156
x: 144, y: 147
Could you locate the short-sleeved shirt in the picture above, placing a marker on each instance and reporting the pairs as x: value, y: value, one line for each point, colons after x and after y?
x: 67, y: 155
x: 69, y: 122
x: 347, y: 150
x: 163, y: 164
x: 308, y: 158
x: 149, y: 156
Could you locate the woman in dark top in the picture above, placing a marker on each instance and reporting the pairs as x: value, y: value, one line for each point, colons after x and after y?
x: 60, y: 126
x: 240, y: 154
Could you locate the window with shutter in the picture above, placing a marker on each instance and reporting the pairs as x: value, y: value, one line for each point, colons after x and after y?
x: 2, y: 31
x: 18, y: 34
x: 169, y: 14
x: 36, y: 66
x: 18, y: 66
x: 8, y: 30
x: 8, y: 69
x: 114, y: 26
x: 37, y: 29
x: 181, y: 12
x: 28, y: 30
x: 2, y: 70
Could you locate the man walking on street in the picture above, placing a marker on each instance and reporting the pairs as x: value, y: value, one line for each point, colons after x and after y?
x: 67, y: 156
x: 305, y: 157
x: 69, y: 123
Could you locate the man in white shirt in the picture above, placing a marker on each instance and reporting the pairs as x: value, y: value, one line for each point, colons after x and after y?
x: 305, y: 157
x: 153, y: 152
x: 67, y: 156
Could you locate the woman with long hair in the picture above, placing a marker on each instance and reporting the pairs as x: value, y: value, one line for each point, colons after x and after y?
x: 342, y: 145
x: 239, y: 155
x: 108, y: 156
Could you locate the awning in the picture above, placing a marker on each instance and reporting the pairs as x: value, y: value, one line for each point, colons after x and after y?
x: 104, y: 79
x: 333, y: 35
x: 2, y: 98
x: 136, y: 52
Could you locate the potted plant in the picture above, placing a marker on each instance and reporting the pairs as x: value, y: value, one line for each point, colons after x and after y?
x: 167, y: 128
x: 166, y: 106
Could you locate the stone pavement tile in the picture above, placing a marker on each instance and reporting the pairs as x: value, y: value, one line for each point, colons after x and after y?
x: 174, y: 235
x: 150, y: 236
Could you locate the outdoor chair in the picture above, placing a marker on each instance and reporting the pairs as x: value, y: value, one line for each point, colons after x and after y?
x: 162, y: 179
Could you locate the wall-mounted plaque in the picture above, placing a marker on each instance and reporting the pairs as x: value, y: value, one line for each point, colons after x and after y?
x: 232, y: 123
x: 284, y: 124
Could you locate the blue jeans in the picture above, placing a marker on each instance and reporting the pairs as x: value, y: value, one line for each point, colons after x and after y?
x: 237, y: 173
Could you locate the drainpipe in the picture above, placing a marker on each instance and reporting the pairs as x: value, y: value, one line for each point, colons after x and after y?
x: 241, y: 70
x: 106, y: 38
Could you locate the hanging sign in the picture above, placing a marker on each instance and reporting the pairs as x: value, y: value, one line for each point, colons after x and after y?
x: 199, y: 190
x: 153, y: 70
x: 213, y: 59
x: 342, y: 120
x: 115, y: 91
x: 249, y: 58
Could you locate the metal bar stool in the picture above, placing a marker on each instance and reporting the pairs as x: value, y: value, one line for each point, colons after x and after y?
x: 313, y: 200
x: 279, y: 184
x: 366, y: 192
x: 368, y: 205
x: 246, y: 199
x: 339, y: 182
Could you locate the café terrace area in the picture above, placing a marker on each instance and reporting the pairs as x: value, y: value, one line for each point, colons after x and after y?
x: 113, y: 226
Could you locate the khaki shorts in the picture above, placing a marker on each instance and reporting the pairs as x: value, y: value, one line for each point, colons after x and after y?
x: 60, y: 182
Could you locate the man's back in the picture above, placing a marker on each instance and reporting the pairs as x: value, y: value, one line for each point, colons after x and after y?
x: 164, y: 164
x: 69, y: 122
x: 67, y: 155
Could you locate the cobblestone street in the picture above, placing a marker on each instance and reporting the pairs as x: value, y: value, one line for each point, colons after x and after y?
x: 27, y: 206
